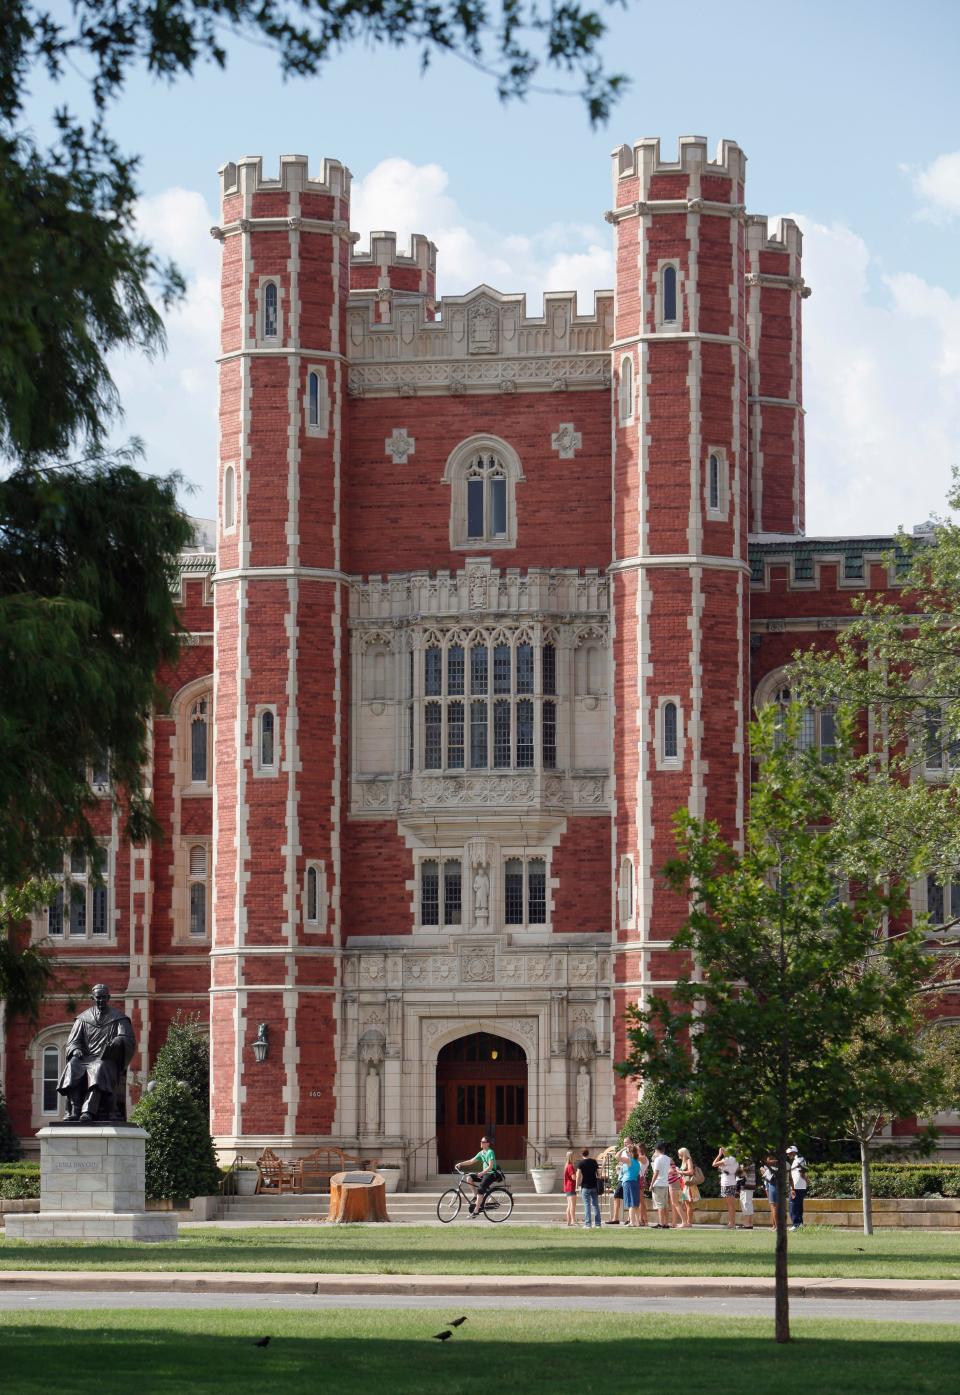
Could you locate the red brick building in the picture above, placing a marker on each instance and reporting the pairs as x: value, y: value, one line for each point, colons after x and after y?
x: 491, y: 597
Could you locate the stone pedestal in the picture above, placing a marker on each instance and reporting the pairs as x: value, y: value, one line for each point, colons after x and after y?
x: 91, y: 1188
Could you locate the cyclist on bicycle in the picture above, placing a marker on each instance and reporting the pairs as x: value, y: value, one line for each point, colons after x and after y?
x: 483, y: 1180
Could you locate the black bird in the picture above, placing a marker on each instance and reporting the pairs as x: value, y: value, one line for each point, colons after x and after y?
x: 442, y: 1336
x: 458, y: 1322
x: 263, y: 1342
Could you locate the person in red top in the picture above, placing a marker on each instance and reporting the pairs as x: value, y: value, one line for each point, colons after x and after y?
x: 570, y: 1189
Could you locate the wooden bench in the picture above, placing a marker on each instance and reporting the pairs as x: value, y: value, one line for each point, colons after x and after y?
x: 315, y: 1170
x: 273, y: 1175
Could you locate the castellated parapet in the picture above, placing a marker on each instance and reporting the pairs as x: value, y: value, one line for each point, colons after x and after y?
x: 643, y: 162
x: 245, y: 176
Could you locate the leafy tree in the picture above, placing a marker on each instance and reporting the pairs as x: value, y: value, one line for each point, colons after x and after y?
x: 185, y: 1056
x: 941, y: 1053
x: 664, y: 1115
x: 9, y: 1142
x: 801, y: 1002
x: 180, y: 1158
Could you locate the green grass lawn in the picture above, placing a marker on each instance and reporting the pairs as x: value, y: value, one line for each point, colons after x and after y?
x: 478, y: 1249
x: 359, y: 1353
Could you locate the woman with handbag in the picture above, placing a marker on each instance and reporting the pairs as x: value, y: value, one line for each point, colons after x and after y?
x: 692, y: 1178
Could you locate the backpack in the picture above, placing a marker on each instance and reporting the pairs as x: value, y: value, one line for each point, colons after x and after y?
x: 698, y: 1178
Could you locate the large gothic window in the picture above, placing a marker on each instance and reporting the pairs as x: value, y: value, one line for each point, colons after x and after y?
x: 488, y: 702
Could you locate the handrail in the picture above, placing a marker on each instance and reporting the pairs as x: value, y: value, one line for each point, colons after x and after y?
x: 537, y: 1155
x: 412, y: 1173
x: 228, y: 1182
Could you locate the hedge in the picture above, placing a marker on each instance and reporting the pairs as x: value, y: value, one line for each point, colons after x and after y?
x: 19, y: 1181
x: 886, y: 1179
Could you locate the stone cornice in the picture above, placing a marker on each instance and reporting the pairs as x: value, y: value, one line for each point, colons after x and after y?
x: 643, y: 207
x: 219, y: 231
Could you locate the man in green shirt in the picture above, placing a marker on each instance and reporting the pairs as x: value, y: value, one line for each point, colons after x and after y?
x: 483, y: 1180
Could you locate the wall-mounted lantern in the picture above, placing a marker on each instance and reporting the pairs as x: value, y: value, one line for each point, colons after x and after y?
x: 260, y: 1043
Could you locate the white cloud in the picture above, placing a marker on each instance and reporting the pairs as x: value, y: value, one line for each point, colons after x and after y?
x: 405, y: 198
x: 881, y: 388
x: 938, y: 186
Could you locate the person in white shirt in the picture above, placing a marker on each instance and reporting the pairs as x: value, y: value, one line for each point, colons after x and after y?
x: 728, y: 1167
x: 660, y: 1185
x: 748, y: 1185
x: 798, y: 1186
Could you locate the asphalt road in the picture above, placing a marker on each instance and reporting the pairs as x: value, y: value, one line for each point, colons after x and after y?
x: 844, y: 1309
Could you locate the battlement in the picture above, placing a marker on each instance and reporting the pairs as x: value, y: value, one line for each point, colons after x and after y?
x: 785, y: 237
x: 383, y: 253
x: 643, y: 161
x: 245, y: 176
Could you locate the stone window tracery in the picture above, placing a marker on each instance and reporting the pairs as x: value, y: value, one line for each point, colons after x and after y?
x: 498, y: 711
x: 80, y: 908
x: 200, y: 741
x: 483, y: 473
x: 818, y: 725
x: 524, y: 891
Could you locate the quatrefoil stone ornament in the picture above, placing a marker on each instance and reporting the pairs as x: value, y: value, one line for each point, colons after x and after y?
x: 399, y: 445
x: 566, y: 440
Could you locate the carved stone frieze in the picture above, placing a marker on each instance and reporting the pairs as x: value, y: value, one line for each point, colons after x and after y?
x: 554, y: 373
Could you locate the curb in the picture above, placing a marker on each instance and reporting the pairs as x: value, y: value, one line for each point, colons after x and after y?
x: 455, y: 1286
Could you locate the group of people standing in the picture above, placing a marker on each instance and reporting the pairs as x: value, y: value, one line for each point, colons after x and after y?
x: 673, y: 1186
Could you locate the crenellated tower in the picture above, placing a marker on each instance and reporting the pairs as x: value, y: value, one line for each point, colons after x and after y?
x: 385, y: 275
x: 775, y: 295
x: 279, y: 642
x: 680, y: 491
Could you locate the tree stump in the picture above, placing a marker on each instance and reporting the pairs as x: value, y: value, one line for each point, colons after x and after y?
x: 357, y: 1196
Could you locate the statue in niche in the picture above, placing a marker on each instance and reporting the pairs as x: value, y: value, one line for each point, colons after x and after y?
x: 372, y: 1101
x: 481, y: 894
x: 583, y: 1100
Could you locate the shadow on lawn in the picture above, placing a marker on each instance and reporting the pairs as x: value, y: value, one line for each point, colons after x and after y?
x: 167, y: 1361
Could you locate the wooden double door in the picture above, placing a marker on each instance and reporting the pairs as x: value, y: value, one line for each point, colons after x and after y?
x: 481, y: 1091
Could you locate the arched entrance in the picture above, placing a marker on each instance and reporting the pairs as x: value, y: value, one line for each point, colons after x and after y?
x: 481, y: 1089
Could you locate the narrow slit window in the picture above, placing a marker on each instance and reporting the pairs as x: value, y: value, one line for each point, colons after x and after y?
x: 432, y: 736
x: 198, y: 909
x: 549, y: 669
x: 455, y: 736
x: 501, y: 735
x: 229, y: 497
x: 478, y: 736
x: 549, y: 736
x: 452, y: 893
x: 669, y: 734
x: 432, y: 672
x: 429, y: 893
x: 313, y: 399
x: 198, y: 743
x: 537, y: 891
x: 267, y: 742
x: 270, y: 315
x: 513, y: 891
x: 714, y: 484
x: 313, y: 898
x: 524, y: 734
x: 669, y: 282
x: 626, y: 388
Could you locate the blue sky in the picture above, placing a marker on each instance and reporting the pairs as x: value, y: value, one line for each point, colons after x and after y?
x: 848, y: 112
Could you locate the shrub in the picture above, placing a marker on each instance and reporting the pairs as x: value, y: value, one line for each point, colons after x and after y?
x: 185, y: 1056
x: 659, y: 1115
x: 19, y: 1188
x: 905, y: 1180
x: 180, y: 1159
x: 9, y: 1142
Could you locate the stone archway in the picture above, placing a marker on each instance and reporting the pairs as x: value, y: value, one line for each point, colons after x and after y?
x: 481, y: 1088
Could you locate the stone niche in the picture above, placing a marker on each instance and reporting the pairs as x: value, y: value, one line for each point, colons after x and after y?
x: 92, y: 1188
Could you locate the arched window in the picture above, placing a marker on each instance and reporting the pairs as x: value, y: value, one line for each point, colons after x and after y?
x: 483, y: 472
x: 199, y: 742
x: 198, y: 890
x: 626, y: 388
x: 524, y: 891
x: 817, y: 725
x: 229, y: 497
x: 313, y: 898
x: 668, y: 295
x: 51, y: 1079
x: 271, y: 318
x: 313, y: 399
x: 668, y: 731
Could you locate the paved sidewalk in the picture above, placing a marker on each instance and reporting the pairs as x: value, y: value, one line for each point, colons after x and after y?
x: 455, y: 1286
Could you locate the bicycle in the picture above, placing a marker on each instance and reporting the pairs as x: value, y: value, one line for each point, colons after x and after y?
x: 496, y: 1204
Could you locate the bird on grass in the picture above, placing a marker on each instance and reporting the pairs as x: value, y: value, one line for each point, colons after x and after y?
x: 263, y: 1342
x: 442, y: 1336
x: 458, y: 1322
